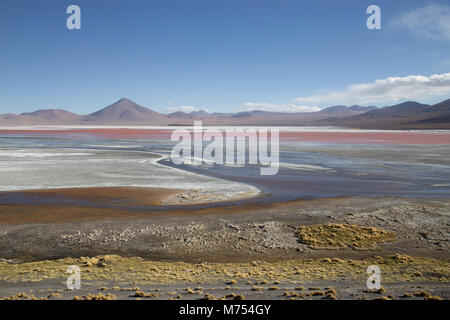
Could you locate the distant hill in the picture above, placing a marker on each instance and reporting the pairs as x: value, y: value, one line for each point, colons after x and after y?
x: 180, y: 115
x: 50, y: 114
x: 402, y: 110
x: 40, y: 117
x: 347, y: 111
x: 406, y: 115
x: 199, y: 113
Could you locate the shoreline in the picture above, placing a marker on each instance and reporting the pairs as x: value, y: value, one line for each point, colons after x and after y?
x: 177, y: 182
x: 46, y: 205
x: 124, y: 198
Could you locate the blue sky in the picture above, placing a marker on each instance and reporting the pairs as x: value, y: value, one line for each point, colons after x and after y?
x: 223, y: 56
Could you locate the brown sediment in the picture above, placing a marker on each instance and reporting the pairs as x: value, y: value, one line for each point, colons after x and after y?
x: 117, y: 203
x: 25, y: 214
x: 98, y: 204
x: 117, y: 196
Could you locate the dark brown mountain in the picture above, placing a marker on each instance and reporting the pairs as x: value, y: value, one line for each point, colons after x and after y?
x: 122, y: 111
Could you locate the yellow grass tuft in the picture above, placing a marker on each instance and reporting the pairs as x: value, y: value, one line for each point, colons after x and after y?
x: 273, y: 288
x: 342, y: 236
x: 424, y: 294
x: 257, y: 289
x: 99, y: 296
x: 142, y: 294
x: 233, y: 296
x: 396, y: 268
x: 383, y: 298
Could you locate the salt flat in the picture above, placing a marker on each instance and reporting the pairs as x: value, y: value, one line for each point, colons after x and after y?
x: 50, y: 168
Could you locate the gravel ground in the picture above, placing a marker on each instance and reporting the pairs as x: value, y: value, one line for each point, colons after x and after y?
x: 423, y: 227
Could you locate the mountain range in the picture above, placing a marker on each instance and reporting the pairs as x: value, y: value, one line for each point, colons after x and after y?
x: 407, y: 115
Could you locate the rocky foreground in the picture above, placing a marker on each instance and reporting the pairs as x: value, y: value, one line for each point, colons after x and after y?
x: 296, y: 250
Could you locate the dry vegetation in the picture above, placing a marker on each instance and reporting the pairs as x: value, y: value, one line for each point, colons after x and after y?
x: 136, y: 270
x: 99, y: 296
x: 342, y: 236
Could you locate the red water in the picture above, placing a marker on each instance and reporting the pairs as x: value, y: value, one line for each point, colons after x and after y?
x: 356, y: 137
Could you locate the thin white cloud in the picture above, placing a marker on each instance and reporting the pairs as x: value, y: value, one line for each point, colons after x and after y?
x: 392, y: 89
x: 432, y: 21
x: 187, y: 109
x: 278, y: 107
